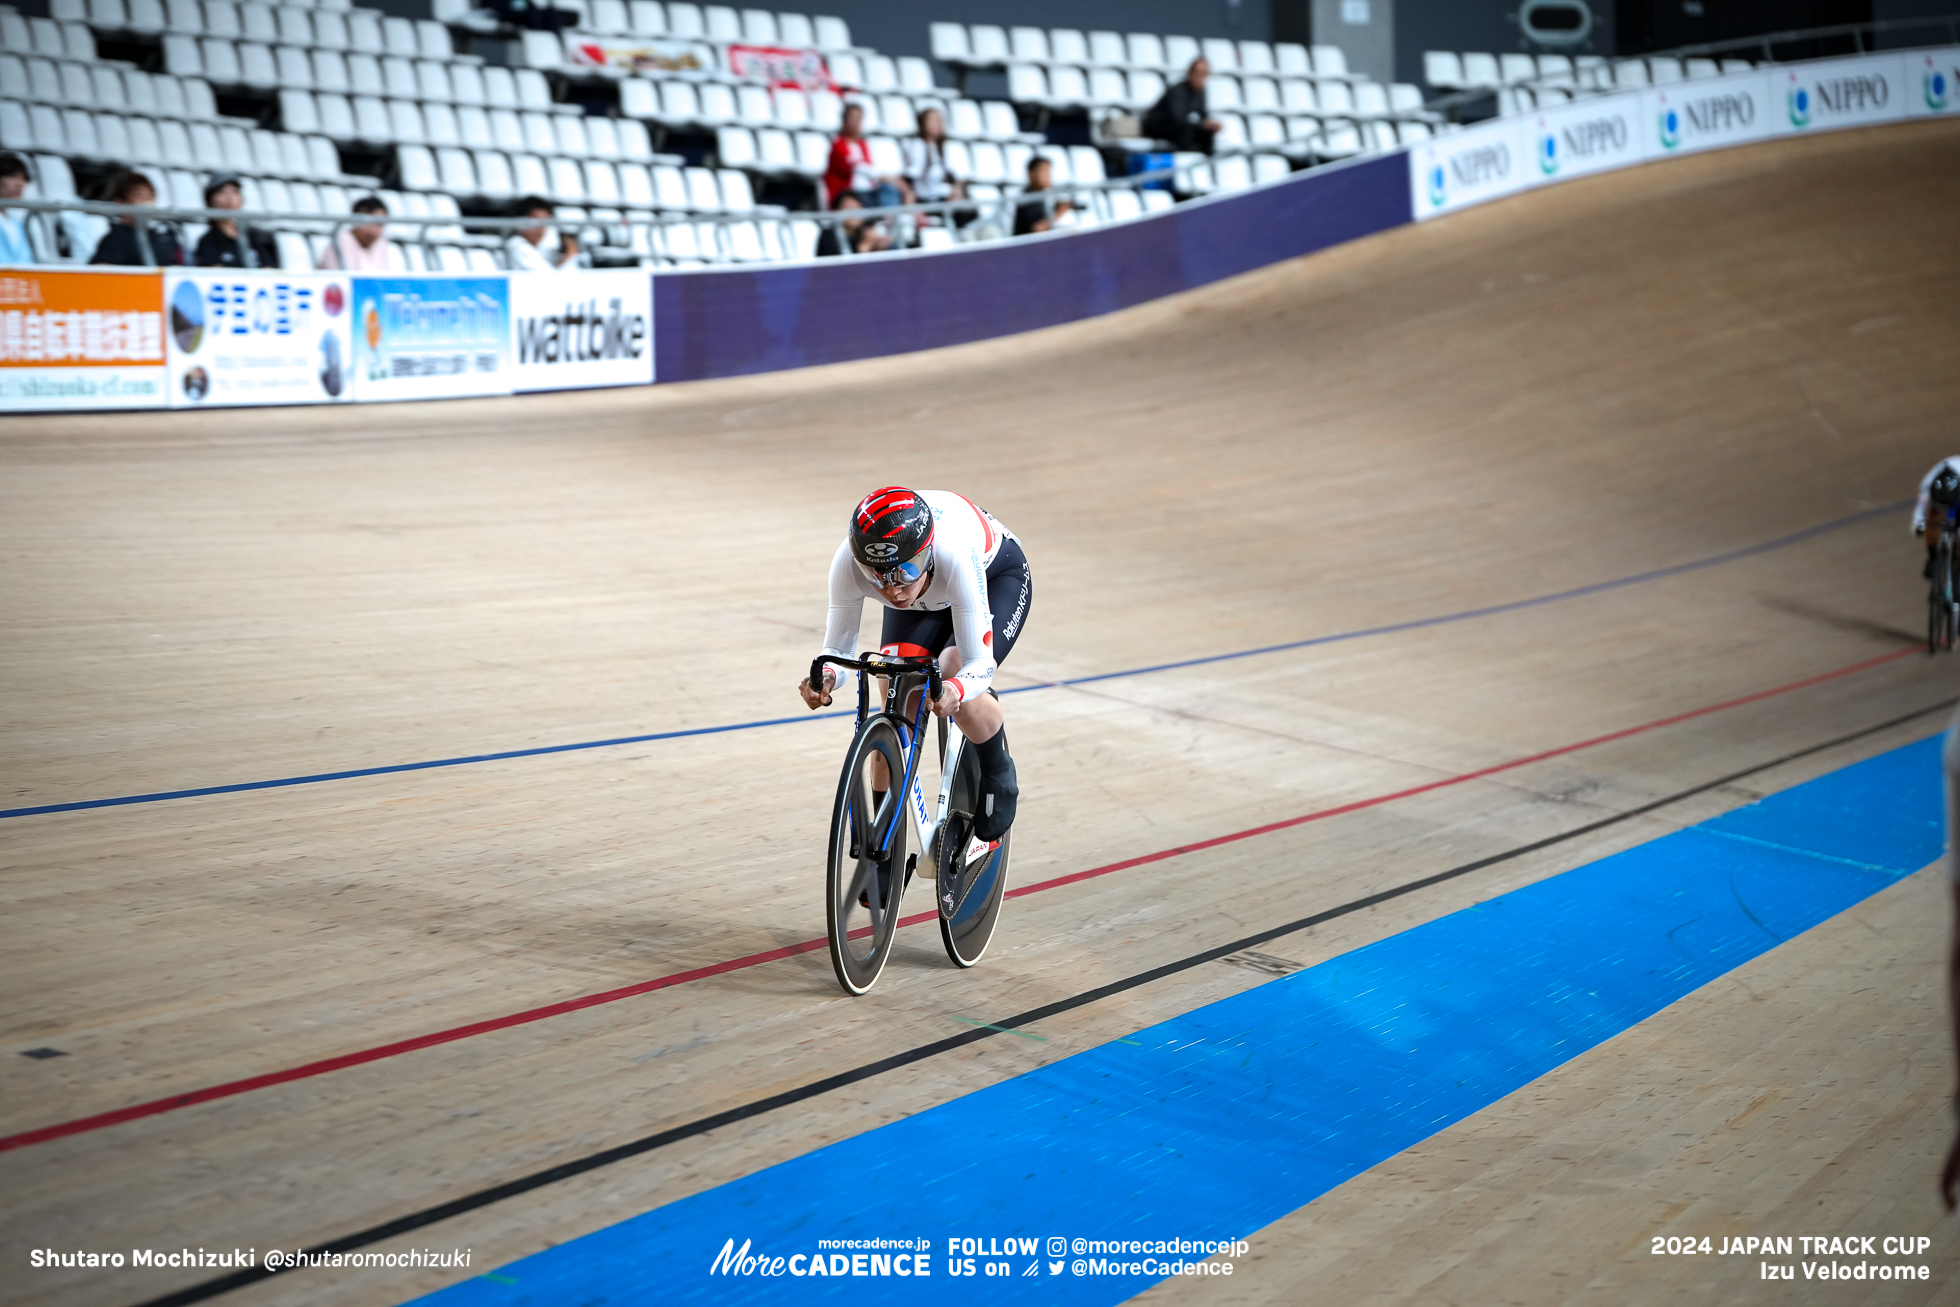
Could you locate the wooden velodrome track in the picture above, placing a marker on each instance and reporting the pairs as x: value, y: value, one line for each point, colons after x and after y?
x: 1606, y: 378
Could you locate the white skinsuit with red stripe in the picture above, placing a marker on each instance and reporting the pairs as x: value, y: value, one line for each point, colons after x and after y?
x: 965, y: 539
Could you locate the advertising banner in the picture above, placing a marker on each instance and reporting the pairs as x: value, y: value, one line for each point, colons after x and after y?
x: 1929, y: 81
x: 1588, y: 135
x: 1611, y: 131
x: 81, y: 340
x: 572, y: 329
x: 431, y: 337
x: 258, y: 337
x: 1468, y: 167
x: 1700, y: 115
x: 780, y: 66
x: 632, y: 55
x: 1842, y: 92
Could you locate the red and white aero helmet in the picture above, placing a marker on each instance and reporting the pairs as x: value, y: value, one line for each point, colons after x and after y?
x: 891, y: 535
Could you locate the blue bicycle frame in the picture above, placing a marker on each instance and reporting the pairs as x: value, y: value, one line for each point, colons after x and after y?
x: 911, y: 733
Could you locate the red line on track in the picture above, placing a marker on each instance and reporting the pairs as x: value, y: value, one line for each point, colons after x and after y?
x: 156, y: 1107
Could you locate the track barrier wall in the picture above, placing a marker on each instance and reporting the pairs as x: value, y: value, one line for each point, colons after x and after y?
x: 187, y: 338
x: 1507, y: 155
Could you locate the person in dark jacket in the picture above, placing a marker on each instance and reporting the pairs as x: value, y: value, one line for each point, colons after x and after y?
x: 1037, y: 211
x: 120, y: 246
x: 858, y: 235
x: 220, y: 246
x: 1181, y: 117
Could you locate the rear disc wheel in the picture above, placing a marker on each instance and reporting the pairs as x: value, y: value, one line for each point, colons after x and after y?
x: 972, y: 877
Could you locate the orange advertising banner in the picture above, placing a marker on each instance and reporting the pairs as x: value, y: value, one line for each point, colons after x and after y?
x: 80, y: 319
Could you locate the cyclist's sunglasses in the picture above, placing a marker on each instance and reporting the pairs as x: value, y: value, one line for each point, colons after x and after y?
x: 904, y: 573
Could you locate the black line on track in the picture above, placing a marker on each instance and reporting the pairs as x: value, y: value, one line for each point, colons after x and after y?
x: 650, y: 1143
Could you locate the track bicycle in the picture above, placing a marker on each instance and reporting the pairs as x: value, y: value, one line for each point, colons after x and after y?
x: 1942, y: 610
x: 868, y: 867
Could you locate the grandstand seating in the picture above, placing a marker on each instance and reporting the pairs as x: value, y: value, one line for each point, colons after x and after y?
x: 1523, y: 82
x: 1292, y: 99
x: 338, y: 81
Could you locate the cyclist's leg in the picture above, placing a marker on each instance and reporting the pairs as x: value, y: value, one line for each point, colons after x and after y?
x: 908, y: 634
x: 1010, y: 593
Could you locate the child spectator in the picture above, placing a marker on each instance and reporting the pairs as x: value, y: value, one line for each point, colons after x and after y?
x: 120, y: 247
x: 925, y: 162
x: 525, y: 250
x: 1036, y: 214
x: 221, y: 245
x: 858, y: 235
x: 14, y: 178
x: 363, y: 247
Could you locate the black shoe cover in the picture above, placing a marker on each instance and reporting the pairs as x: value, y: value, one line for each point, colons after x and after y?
x: 997, y: 797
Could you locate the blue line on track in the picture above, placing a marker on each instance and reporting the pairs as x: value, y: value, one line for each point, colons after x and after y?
x: 1217, y: 1123
x: 317, y: 778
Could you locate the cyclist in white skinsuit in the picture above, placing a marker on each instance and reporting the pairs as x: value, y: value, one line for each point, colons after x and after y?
x: 1939, y: 489
x: 955, y: 585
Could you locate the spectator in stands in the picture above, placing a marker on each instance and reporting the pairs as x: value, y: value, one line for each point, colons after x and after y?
x: 858, y: 235
x: 363, y: 247
x: 925, y: 162
x: 1181, y: 117
x: 850, y: 168
x: 121, y: 246
x: 1037, y: 211
x: 222, y: 245
x: 525, y: 250
x: 14, y: 178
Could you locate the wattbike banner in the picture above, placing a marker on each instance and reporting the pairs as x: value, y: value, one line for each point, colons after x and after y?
x: 583, y: 329
x: 1507, y: 155
x: 431, y: 337
x: 262, y: 337
x: 78, y: 340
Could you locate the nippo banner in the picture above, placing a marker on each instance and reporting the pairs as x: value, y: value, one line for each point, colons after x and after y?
x: 1930, y: 77
x: 1843, y: 93
x: 81, y: 340
x: 431, y: 337
x: 1711, y: 112
x: 1588, y: 136
x: 258, y: 337
x: 780, y: 66
x: 1503, y: 156
x: 586, y: 329
x: 1467, y: 167
x: 640, y: 56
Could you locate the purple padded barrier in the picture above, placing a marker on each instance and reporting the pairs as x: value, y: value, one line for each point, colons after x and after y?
x: 728, y: 323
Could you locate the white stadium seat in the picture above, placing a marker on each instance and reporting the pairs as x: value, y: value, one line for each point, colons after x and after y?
x: 832, y: 34
x: 735, y: 146
x: 1516, y: 68
x: 1329, y: 61
x: 948, y: 42
x: 988, y: 45
x: 684, y: 21
x: 796, y: 31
